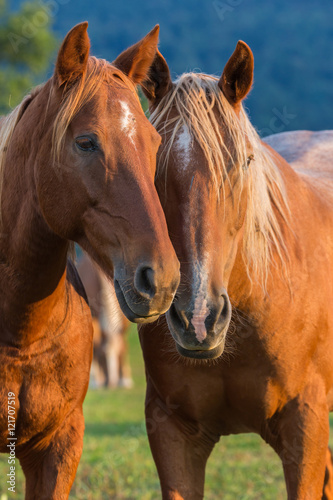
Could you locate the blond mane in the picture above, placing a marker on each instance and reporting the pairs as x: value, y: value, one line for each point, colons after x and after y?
x: 75, y: 97
x: 80, y: 93
x: 204, y: 111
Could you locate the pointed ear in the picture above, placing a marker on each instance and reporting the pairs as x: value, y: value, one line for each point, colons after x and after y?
x: 237, y: 76
x: 158, y: 81
x: 136, y: 60
x: 73, y: 54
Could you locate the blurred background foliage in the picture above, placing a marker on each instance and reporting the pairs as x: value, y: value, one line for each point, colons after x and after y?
x: 291, y: 42
x: 26, y: 46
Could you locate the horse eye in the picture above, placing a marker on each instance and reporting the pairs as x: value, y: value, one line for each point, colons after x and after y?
x: 85, y: 144
x: 250, y: 158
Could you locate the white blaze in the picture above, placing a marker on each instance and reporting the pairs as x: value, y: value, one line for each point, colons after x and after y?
x: 201, y: 310
x: 200, y: 313
x: 127, y: 121
x: 183, y: 145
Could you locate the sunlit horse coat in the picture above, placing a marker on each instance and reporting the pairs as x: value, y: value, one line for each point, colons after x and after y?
x: 247, y: 345
x: 67, y: 162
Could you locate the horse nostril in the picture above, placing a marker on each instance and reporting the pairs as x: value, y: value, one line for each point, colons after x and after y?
x: 179, y: 317
x: 226, y: 306
x: 182, y: 316
x: 144, y: 281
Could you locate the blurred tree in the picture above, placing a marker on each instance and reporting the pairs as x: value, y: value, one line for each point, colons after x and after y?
x: 26, y: 44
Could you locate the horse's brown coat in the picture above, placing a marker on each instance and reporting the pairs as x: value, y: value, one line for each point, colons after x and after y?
x: 275, y: 377
x: 102, y: 197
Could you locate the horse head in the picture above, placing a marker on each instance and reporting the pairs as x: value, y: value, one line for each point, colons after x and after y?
x: 94, y: 158
x: 206, y: 181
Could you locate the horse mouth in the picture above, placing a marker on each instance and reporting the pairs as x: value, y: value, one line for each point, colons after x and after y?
x: 200, y: 353
x: 128, y: 311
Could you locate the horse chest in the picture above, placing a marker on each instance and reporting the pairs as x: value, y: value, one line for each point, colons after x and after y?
x: 44, y: 388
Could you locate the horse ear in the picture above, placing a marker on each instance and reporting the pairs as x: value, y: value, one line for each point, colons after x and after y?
x: 73, y: 54
x: 158, y: 81
x: 136, y: 60
x: 237, y: 76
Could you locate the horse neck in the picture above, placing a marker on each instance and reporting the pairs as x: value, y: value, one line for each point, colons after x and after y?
x: 32, y: 257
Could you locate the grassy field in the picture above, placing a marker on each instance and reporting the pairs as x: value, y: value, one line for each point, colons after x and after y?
x: 116, y: 461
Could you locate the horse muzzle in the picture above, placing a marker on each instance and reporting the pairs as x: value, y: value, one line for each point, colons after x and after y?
x: 144, y: 298
x: 199, y: 330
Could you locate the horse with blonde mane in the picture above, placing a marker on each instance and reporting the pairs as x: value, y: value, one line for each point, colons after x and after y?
x: 77, y: 164
x: 247, y: 345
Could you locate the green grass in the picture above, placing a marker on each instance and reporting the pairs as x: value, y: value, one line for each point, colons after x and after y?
x: 116, y: 461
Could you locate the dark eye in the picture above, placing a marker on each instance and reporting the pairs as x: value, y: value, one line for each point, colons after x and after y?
x: 86, y: 144
x: 250, y: 158
x: 248, y: 161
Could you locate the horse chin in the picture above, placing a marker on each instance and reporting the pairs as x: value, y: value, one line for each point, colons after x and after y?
x: 201, y: 354
x: 129, y: 313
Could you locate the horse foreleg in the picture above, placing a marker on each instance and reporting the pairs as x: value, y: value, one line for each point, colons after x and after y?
x: 328, y: 481
x: 180, y: 450
x: 50, y: 470
x: 125, y: 373
x: 299, y: 434
x: 112, y: 362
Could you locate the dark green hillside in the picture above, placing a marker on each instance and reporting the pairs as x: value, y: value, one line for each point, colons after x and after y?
x: 292, y: 44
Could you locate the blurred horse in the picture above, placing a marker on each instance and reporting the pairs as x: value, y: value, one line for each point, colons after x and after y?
x: 110, y: 366
x: 247, y: 345
x: 70, y: 154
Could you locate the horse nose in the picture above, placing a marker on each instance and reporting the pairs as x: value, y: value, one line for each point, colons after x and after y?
x: 199, y: 324
x: 220, y: 314
x: 145, y: 282
x: 214, y: 317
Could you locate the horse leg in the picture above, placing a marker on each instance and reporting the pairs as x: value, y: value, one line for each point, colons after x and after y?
x: 299, y: 434
x: 103, y: 360
x: 180, y: 450
x: 50, y: 471
x: 125, y: 373
x: 328, y: 481
x: 112, y: 361
x: 97, y: 371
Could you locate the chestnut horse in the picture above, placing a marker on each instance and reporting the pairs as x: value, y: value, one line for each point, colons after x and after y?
x: 247, y: 345
x: 77, y: 164
x: 110, y: 365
